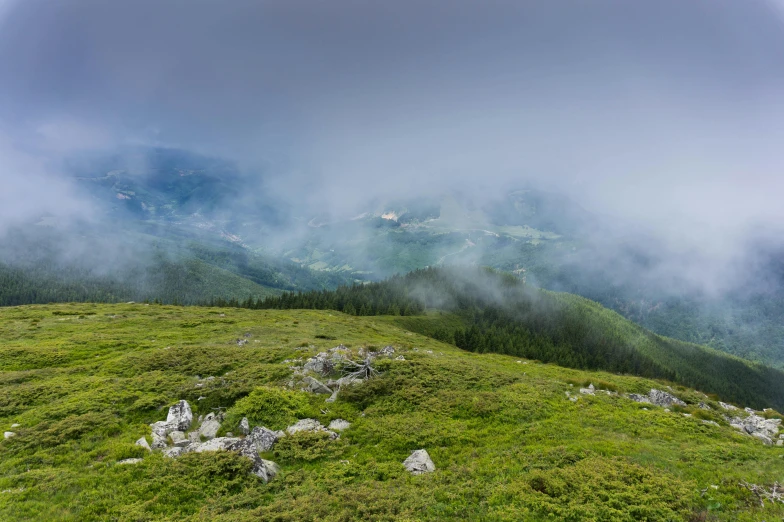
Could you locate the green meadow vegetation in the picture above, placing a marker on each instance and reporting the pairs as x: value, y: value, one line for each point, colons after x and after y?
x: 83, y: 381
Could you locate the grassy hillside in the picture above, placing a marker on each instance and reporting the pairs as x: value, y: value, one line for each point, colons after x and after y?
x: 84, y: 381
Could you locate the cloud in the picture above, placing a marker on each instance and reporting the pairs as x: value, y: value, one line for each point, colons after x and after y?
x: 667, y: 113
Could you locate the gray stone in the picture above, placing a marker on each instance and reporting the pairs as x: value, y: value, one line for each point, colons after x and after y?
x: 419, y: 462
x: 174, y: 452
x: 764, y: 438
x: 305, y: 425
x: 400, y: 358
x: 216, y: 444
x: 387, y: 350
x: 704, y: 406
x: 194, y: 437
x: 310, y: 425
x: 662, y: 398
x: 143, y: 443
x: 159, y: 441
x: 8, y: 434
x: 780, y: 442
x: 639, y: 398
x: 316, y: 386
x: 180, y: 416
x: 129, y: 461
x: 263, y: 438
x: 209, y: 428
x: 15, y: 425
x: 728, y: 407
x: 338, y: 425
x: 244, y: 426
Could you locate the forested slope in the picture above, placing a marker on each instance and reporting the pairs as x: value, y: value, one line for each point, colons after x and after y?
x: 498, y: 313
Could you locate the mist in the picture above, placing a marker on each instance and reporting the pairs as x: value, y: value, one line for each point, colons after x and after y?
x: 663, y: 116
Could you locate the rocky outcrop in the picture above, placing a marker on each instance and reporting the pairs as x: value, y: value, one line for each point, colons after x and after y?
x: 657, y: 398
x: 639, y: 398
x: 419, y: 462
x: 180, y: 419
x: 728, y: 407
x: 764, y: 429
x: 662, y: 398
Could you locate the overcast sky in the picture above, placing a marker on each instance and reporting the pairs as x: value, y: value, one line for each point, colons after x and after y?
x: 669, y: 111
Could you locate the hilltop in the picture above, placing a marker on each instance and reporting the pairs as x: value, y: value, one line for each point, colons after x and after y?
x: 510, y: 438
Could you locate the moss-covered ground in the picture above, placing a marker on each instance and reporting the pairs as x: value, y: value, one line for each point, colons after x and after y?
x: 84, y: 381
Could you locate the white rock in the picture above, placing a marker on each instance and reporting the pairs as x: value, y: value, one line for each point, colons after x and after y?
x: 209, y: 428
x: 129, y: 461
x: 726, y: 406
x: 15, y: 425
x: 143, y: 443
x: 244, y: 426
x: 419, y: 462
x: 8, y: 434
x: 338, y: 425
x: 310, y: 425
x: 180, y: 416
x: 178, y: 438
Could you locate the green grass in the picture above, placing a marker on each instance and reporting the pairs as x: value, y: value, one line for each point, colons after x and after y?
x: 85, y: 380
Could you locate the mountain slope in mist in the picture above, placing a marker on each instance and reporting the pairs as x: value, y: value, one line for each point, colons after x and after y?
x: 543, y: 237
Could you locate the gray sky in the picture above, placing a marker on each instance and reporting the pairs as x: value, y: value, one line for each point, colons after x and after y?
x: 668, y: 111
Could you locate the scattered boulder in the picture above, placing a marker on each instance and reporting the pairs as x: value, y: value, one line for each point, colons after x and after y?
x: 728, y: 407
x: 704, y: 406
x: 194, y: 437
x: 15, y: 425
x: 419, y: 462
x: 338, y: 425
x: 8, y: 434
x: 263, y: 438
x: 143, y: 443
x: 174, y: 451
x: 387, y: 350
x: 400, y: 358
x: 244, y: 426
x: 209, y: 428
x: 129, y: 461
x: 333, y: 397
x: 639, y: 398
x: 263, y: 469
x: 760, y: 427
x: 589, y: 390
x: 662, y: 398
x: 310, y: 425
